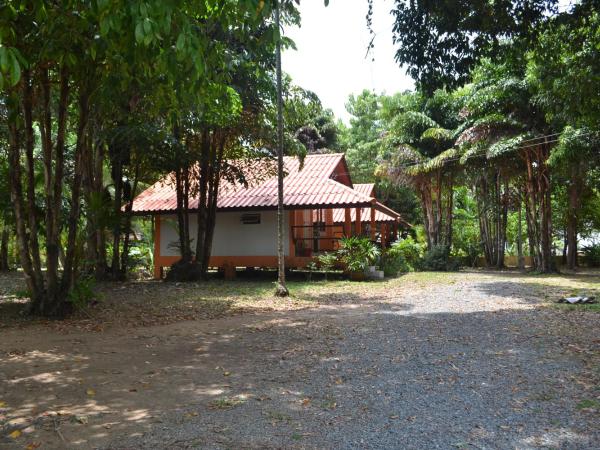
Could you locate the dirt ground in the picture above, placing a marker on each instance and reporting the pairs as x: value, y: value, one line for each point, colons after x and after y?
x: 460, y: 360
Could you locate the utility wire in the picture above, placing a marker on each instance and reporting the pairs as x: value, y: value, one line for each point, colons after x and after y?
x: 520, y: 147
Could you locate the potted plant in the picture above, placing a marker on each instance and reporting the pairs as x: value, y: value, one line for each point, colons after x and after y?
x: 357, y: 254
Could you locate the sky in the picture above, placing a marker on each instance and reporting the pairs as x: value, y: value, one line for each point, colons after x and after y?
x: 331, y: 46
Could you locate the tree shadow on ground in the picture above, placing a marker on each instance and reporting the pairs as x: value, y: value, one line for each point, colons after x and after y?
x: 486, y: 378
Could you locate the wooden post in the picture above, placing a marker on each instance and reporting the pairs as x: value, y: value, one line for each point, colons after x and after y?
x: 383, y: 235
x: 347, y: 222
x: 292, y: 215
x: 229, y: 270
x: 328, y: 229
x: 373, y: 224
x: 358, y: 226
x: 157, y: 268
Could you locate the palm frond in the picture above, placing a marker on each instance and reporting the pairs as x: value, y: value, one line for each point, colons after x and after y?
x: 506, y: 145
x: 437, y: 134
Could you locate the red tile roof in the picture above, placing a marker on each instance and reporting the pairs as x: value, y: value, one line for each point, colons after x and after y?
x: 365, y: 188
x: 309, y: 186
x: 339, y: 216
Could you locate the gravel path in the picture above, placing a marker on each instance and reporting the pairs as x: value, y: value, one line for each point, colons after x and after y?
x: 472, y: 362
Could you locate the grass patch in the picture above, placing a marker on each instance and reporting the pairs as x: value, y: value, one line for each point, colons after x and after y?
x: 591, y: 307
x: 21, y: 293
x: 588, y: 404
x: 226, y: 403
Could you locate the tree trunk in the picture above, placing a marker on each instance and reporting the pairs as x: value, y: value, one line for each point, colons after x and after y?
x: 203, y: 187
x: 4, y: 266
x: 539, y: 208
x: 117, y: 176
x: 212, y: 203
x: 95, y: 199
x: 81, y: 147
x: 521, y: 259
x: 127, y: 229
x: 572, y: 219
x: 30, y: 171
x: 281, y: 289
x: 54, y: 161
x: 428, y: 213
x: 449, y: 213
x: 33, y: 279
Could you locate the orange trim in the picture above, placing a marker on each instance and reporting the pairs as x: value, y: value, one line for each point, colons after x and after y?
x: 240, y: 261
x: 157, y: 268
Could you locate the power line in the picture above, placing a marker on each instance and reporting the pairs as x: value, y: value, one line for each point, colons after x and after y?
x: 520, y: 147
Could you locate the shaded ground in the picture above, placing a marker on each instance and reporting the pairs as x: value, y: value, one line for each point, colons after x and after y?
x: 465, y: 360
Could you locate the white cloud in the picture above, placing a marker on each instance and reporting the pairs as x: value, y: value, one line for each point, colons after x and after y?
x: 332, y: 42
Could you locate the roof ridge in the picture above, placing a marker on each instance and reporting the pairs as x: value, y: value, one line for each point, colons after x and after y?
x: 319, y: 155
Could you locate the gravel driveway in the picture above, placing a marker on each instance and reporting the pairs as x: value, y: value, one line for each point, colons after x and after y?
x: 470, y: 362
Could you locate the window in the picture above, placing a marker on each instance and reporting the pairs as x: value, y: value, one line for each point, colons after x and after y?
x: 250, y: 219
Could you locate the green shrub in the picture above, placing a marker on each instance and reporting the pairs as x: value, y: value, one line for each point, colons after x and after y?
x: 22, y: 293
x: 83, y: 292
x: 592, y: 255
x: 327, y: 262
x: 311, y: 267
x: 438, y: 259
x: 141, y: 256
x: 473, y: 251
x: 393, y: 262
x: 358, y: 253
x: 410, y: 250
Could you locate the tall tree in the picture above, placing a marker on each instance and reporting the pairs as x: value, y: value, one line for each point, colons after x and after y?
x: 440, y: 42
x: 420, y: 154
x: 281, y: 289
x: 566, y: 60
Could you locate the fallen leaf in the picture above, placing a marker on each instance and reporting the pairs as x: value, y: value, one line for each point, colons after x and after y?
x: 2, y: 404
x: 306, y: 402
x: 81, y: 419
x: 226, y: 374
x: 33, y: 446
x: 15, y: 434
x: 90, y: 392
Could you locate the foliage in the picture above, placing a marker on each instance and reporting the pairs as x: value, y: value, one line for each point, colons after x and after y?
x: 83, y: 292
x: 467, y: 240
x: 440, y: 42
x: 393, y: 262
x: 417, y: 152
x: 592, y: 255
x: 358, y: 253
x: 409, y: 251
x: 361, y: 139
x: 438, y: 259
x: 327, y: 261
x: 311, y: 267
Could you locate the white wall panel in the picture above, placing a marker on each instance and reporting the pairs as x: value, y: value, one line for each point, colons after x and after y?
x: 232, y: 238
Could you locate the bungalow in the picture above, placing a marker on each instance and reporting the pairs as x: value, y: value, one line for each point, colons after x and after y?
x: 321, y: 204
